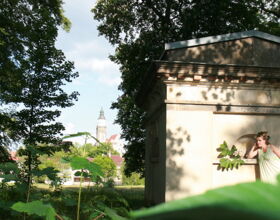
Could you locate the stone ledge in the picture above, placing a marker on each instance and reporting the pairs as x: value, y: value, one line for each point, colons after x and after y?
x: 247, y: 162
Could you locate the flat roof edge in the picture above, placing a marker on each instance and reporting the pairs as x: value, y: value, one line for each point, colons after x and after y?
x: 221, y: 38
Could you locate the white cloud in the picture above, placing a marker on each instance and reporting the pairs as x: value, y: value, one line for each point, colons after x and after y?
x: 91, y: 65
x: 69, y: 128
x: 89, y: 48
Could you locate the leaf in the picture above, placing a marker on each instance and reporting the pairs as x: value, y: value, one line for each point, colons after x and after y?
x: 9, y: 166
x: 113, y: 215
x: 36, y: 207
x: 9, y: 171
x: 78, y: 173
x: 82, y: 163
x: 8, y: 177
x: 65, y: 160
x: 70, y: 202
x: 223, y: 162
x: 78, y: 163
x: 229, y: 158
x: 224, y: 145
x: 256, y: 200
x: 81, y: 173
x: 50, y: 172
x: 223, y: 149
x: 78, y: 134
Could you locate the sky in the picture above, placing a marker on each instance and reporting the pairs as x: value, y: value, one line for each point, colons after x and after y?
x: 99, y: 77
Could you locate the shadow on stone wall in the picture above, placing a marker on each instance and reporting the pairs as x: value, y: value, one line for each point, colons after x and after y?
x: 232, y: 52
x: 248, y: 51
x: 177, y: 143
x: 244, y: 53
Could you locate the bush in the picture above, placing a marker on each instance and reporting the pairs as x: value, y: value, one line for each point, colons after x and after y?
x: 133, y: 180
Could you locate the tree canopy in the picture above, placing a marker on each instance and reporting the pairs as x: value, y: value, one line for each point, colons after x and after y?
x: 107, y: 165
x: 90, y: 150
x: 32, y: 75
x: 139, y: 30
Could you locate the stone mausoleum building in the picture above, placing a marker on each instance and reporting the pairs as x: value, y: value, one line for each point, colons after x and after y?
x: 200, y: 93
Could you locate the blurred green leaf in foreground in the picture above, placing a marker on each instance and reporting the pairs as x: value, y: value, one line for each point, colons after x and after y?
x: 255, y: 200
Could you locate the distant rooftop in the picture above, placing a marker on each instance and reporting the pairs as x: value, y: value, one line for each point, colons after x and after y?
x: 118, y: 160
x: 113, y: 138
x: 221, y: 38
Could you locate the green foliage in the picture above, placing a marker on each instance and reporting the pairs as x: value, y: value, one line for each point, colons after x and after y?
x: 37, y: 208
x: 139, y: 30
x: 94, y: 202
x: 50, y: 172
x: 33, y: 73
x: 88, y: 168
x: 7, y: 136
x: 103, y: 149
x: 113, y: 215
x: 32, y: 69
x: 90, y: 150
x: 229, y: 157
x: 110, y: 203
x: 9, y: 171
x: 54, y: 161
x: 133, y: 179
x: 133, y: 195
x: 86, y: 134
x: 131, y: 118
x: 256, y: 200
x: 107, y: 165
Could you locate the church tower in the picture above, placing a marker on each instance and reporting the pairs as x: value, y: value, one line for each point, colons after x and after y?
x: 101, y: 128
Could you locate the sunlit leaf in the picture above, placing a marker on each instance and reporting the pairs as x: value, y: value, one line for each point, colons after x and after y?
x: 113, y: 215
x: 256, y: 200
x: 37, y: 208
x: 78, y: 163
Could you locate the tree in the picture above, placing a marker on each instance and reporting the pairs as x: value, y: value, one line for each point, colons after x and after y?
x: 55, y: 162
x: 27, y: 31
x: 107, y: 165
x: 134, y: 179
x: 90, y: 150
x: 139, y: 30
x: 33, y: 73
x: 102, y: 149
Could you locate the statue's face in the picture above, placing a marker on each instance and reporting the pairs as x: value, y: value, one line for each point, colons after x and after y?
x: 261, y: 142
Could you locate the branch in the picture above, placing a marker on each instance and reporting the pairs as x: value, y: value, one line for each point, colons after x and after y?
x: 274, y: 12
x: 151, y: 5
x: 99, y: 216
x: 59, y: 217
